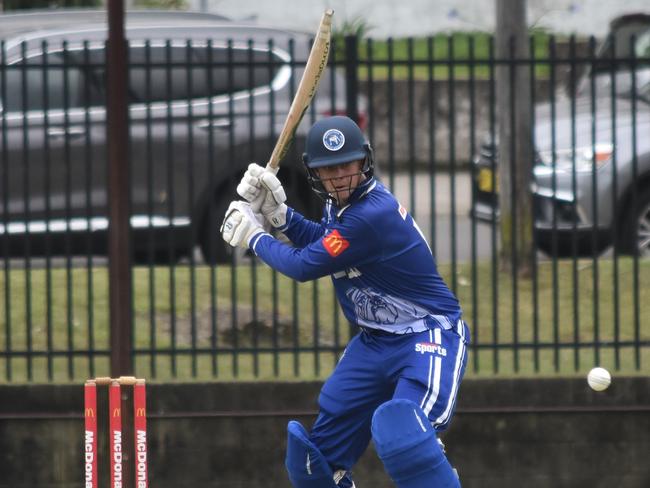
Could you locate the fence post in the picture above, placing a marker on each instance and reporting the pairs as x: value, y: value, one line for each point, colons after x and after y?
x: 351, y: 77
x: 515, y: 155
x: 352, y: 95
x: 119, y: 248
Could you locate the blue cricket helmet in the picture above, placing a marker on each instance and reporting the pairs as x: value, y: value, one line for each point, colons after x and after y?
x: 335, y: 140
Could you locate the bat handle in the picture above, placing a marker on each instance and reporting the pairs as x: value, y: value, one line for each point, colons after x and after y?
x: 256, y: 204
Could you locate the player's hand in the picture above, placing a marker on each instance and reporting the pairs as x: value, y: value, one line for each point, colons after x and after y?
x: 261, y: 185
x: 249, y: 187
x: 240, y: 225
x: 273, y: 207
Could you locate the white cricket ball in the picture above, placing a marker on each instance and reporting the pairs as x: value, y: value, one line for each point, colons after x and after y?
x: 599, y: 379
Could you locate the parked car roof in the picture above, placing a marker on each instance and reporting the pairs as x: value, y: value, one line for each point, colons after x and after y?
x: 19, y: 25
x: 58, y: 25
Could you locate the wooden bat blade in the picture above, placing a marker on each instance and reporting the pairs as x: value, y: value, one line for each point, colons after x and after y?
x: 314, y: 68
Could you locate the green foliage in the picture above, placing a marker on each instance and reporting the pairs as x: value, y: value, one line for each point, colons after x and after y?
x: 358, y: 27
x: 40, y: 4
x: 465, y: 54
x: 162, y: 4
x: 36, y: 4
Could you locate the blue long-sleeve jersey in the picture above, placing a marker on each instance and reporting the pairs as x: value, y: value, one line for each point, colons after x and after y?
x: 383, y: 271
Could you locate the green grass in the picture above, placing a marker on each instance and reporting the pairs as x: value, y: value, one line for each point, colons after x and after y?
x: 184, y: 309
x: 574, y: 302
x: 462, y: 54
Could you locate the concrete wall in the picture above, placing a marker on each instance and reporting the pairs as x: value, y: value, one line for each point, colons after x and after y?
x: 507, y: 433
x: 423, y: 17
x: 423, y: 123
x: 457, y: 116
x: 439, y: 121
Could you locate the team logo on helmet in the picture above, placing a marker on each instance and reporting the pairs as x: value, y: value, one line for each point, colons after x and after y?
x: 333, y: 139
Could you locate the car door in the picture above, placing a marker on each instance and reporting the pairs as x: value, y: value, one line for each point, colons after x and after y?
x: 190, y: 125
x: 53, y: 142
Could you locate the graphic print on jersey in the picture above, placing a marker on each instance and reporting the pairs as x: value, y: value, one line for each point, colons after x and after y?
x: 373, y: 307
x: 334, y: 243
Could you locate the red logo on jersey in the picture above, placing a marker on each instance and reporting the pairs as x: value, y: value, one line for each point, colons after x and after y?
x: 334, y: 243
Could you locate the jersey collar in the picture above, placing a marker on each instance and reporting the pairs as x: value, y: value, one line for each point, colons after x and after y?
x: 360, y: 191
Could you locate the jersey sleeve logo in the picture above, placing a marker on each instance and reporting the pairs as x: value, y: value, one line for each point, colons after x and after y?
x: 334, y: 243
x: 402, y: 211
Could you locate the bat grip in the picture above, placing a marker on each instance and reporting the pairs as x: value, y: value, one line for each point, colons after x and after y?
x: 256, y: 204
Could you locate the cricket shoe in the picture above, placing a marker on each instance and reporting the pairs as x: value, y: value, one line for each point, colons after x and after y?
x: 343, y: 479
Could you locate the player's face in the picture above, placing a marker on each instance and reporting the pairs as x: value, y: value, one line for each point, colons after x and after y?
x: 342, y: 179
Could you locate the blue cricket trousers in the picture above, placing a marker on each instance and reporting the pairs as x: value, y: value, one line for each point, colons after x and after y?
x: 424, y: 367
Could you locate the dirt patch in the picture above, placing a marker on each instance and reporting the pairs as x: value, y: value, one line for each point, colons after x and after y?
x: 244, y: 327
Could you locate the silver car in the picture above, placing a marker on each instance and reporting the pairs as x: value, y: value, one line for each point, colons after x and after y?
x: 592, y: 169
x: 206, y: 97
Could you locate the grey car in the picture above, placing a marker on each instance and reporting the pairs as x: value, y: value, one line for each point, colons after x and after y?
x: 591, y: 181
x: 207, y: 95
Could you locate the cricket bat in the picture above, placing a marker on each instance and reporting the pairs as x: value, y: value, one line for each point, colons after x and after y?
x: 314, y: 68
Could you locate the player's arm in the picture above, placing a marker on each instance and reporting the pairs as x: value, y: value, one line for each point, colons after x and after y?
x: 352, y: 243
x: 300, y: 230
x: 349, y: 244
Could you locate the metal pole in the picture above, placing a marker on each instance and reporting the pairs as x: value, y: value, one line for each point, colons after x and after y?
x: 119, y: 249
x: 351, y: 77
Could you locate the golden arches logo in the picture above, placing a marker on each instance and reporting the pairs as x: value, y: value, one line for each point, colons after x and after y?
x: 89, y: 412
x: 116, y: 412
x: 334, y: 243
x: 140, y: 412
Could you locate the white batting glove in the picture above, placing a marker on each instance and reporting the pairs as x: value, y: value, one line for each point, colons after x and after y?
x: 240, y: 225
x: 249, y: 187
x: 260, y: 186
x: 273, y: 207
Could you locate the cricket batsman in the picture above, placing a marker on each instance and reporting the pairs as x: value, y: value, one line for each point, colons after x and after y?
x: 398, y: 378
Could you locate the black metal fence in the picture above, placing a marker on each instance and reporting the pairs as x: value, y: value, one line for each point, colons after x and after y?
x: 200, y: 110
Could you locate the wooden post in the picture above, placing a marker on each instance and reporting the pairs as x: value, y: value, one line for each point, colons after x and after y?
x: 119, y: 235
x: 515, y: 151
x: 119, y: 248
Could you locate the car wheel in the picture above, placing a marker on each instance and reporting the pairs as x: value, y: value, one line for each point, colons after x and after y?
x: 545, y: 243
x: 635, y: 233
x: 585, y: 244
x: 156, y: 257
x: 213, y: 248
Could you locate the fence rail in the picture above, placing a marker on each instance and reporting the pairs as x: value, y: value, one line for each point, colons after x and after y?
x: 201, y: 110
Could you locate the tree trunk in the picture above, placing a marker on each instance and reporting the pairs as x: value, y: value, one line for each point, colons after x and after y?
x: 515, y: 153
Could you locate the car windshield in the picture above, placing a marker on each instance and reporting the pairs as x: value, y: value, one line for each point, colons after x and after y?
x: 623, y: 85
x: 643, y: 93
x: 642, y: 46
x: 620, y: 84
x: 624, y: 51
x: 617, y: 78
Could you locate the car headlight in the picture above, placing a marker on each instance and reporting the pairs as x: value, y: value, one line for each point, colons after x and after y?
x: 585, y: 157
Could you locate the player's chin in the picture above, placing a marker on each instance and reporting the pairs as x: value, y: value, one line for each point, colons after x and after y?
x: 341, y: 197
